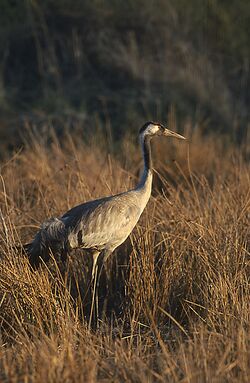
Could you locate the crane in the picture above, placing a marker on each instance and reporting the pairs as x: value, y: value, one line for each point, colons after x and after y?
x: 103, y: 224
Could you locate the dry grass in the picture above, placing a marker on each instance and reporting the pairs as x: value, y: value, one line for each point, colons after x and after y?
x: 173, y: 300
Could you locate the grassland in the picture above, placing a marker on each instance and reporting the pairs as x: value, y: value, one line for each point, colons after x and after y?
x: 173, y: 300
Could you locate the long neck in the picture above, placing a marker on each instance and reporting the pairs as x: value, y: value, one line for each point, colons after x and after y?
x: 146, y: 178
x: 146, y: 149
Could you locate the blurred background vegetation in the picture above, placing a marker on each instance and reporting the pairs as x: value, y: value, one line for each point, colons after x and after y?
x: 83, y: 64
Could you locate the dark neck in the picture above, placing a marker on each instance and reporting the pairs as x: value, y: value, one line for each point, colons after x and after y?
x: 146, y: 177
x: 146, y: 148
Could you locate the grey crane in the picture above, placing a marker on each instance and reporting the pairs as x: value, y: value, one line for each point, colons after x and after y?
x: 103, y: 224
x: 100, y: 225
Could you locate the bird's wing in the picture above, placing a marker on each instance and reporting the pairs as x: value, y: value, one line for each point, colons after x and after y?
x: 103, y: 222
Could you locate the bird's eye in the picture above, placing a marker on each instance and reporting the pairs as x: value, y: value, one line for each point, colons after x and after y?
x: 161, y: 128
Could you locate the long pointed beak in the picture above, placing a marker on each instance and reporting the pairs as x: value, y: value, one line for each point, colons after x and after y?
x: 170, y: 133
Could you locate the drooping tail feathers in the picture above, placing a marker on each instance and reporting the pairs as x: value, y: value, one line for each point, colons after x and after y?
x: 50, y: 239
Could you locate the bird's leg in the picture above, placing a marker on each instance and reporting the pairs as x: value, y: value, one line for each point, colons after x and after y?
x: 108, y: 274
x: 94, y: 264
x: 101, y: 264
x: 93, y: 279
x: 105, y: 255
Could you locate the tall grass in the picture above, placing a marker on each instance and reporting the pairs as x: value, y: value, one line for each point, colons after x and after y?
x: 173, y: 300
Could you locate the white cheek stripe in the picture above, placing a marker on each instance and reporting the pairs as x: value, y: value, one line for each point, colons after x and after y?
x: 153, y: 128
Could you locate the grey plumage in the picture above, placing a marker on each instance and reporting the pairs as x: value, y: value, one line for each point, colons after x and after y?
x: 52, y: 236
x: 100, y: 225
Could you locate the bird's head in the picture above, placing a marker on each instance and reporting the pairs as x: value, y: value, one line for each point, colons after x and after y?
x: 151, y: 129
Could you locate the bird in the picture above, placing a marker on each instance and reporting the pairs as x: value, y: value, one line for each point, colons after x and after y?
x: 100, y: 225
